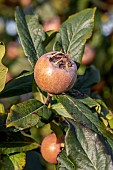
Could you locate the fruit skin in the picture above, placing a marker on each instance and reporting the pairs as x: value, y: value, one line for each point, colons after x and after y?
x: 51, y: 78
x: 50, y: 148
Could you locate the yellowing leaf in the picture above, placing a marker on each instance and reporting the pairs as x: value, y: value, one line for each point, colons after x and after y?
x: 109, y: 116
x: 111, y: 123
x: 104, y: 121
x: 3, y: 69
x: 2, y: 109
x: 18, y: 160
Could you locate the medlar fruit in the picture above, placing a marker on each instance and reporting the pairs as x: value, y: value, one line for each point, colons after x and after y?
x: 89, y: 55
x: 51, y: 147
x: 55, y: 72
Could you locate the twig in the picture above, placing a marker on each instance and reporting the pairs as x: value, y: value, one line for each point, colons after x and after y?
x: 48, y: 100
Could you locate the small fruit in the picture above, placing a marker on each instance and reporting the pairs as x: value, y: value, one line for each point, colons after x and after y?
x: 50, y: 148
x: 89, y: 55
x: 53, y: 24
x: 55, y: 72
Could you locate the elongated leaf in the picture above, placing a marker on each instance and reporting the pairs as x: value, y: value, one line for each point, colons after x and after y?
x: 18, y: 86
x: 15, y: 142
x: 84, y: 149
x: 85, y: 99
x: 27, y: 114
x: 37, y: 34
x: 17, y: 146
x: 25, y: 37
x: 82, y: 114
x: 74, y: 32
x: 3, y: 69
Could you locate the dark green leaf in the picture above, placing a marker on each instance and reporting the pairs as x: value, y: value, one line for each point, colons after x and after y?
x: 15, y: 142
x: 25, y: 37
x: 84, y: 149
x: 85, y: 99
x: 74, y: 32
x: 50, y: 39
x: 37, y: 33
x: 65, y: 162
x: 85, y: 81
x: 27, y: 114
x: 18, y: 86
x: 85, y: 116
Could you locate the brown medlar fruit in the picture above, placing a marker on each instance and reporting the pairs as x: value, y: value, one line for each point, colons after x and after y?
x: 55, y: 72
x: 51, y: 147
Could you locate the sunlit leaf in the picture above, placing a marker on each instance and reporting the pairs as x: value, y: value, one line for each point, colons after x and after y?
x: 18, y: 160
x: 27, y: 114
x: 3, y: 69
x: 85, y: 116
x: 74, y: 32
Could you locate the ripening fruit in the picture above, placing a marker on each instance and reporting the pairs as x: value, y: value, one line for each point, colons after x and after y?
x: 89, y: 55
x: 50, y: 148
x: 53, y: 24
x: 55, y: 72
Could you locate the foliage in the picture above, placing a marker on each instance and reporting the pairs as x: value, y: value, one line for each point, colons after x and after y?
x: 85, y: 121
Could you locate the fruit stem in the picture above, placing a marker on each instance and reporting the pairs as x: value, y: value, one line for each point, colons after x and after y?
x: 48, y: 99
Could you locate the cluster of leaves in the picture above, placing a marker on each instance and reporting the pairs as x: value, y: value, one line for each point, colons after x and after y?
x: 85, y: 121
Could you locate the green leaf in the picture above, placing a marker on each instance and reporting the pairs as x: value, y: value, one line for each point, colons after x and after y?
x: 18, y: 86
x: 17, y: 146
x: 64, y: 162
x: 27, y: 34
x: 84, y: 149
x: 38, y: 93
x: 6, y: 163
x: 3, y: 69
x: 59, y: 108
x: 13, y: 142
x: 74, y: 32
x: 50, y: 39
x: 85, y: 99
x: 85, y: 116
x: 88, y: 79
x: 27, y: 114
x: 37, y: 33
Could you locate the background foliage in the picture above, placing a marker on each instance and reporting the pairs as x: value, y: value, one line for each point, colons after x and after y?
x: 27, y: 122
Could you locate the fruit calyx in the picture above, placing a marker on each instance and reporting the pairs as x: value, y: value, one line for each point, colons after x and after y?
x: 61, y: 60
